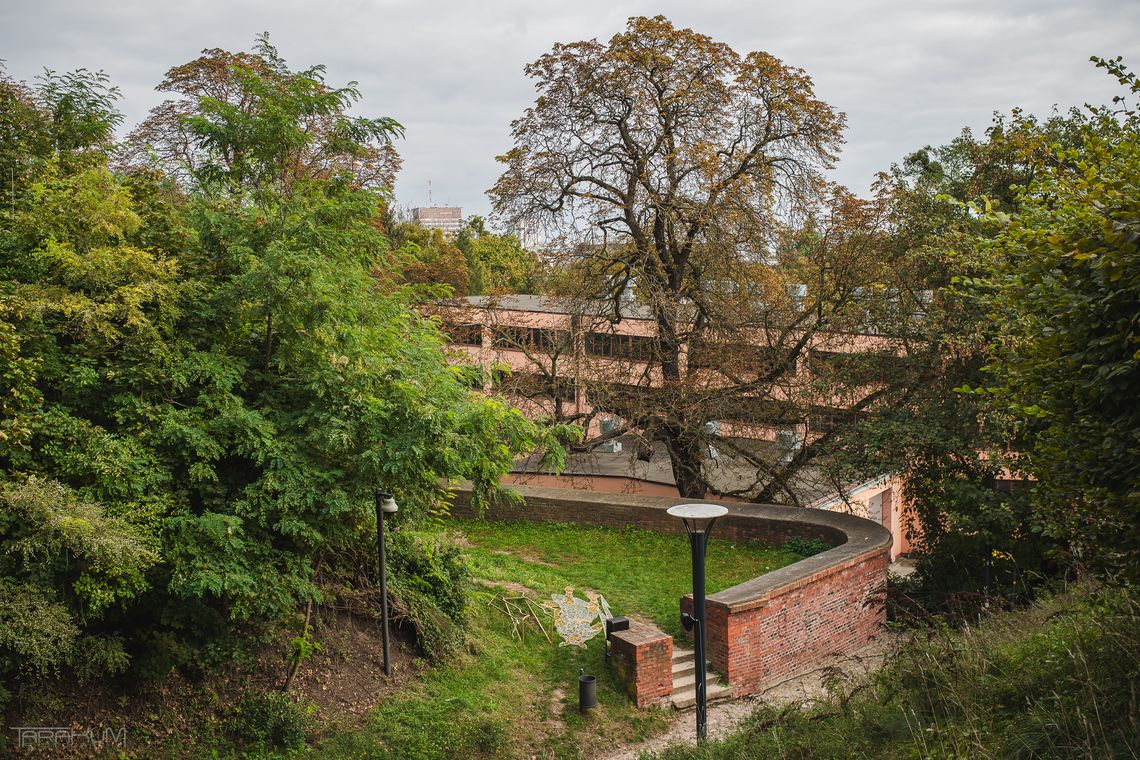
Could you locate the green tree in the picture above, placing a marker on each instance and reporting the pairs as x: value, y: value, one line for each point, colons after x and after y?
x: 430, y: 258
x: 209, y: 346
x: 951, y: 447
x: 246, y: 119
x: 497, y: 263
x: 318, y: 383
x: 1067, y: 296
x: 86, y: 325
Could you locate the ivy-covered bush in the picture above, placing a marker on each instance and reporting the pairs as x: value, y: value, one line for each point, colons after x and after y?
x: 431, y: 584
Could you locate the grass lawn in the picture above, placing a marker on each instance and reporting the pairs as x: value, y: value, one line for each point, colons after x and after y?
x: 518, y: 699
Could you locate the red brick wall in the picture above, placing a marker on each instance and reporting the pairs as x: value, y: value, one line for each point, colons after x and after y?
x: 543, y: 504
x: 838, y: 609
x: 643, y: 658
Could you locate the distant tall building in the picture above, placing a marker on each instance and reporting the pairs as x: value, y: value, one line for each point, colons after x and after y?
x: 529, y: 236
x: 446, y: 218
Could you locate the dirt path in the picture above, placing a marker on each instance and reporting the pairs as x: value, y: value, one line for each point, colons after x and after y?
x: 724, y: 717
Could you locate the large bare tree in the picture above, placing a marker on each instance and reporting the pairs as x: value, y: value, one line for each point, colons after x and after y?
x: 680, y: 173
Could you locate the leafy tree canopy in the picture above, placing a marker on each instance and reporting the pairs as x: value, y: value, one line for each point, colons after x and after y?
x: 676, y: 173
x: 205, y: 350
x: 498, y: 263
x: 1066, y: 292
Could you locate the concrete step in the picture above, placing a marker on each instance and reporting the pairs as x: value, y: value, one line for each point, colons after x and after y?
x: 687, y: 666
x: 688, y: 679
x: 685, y: 681
x: 682, y: 681
x: 714, y: 692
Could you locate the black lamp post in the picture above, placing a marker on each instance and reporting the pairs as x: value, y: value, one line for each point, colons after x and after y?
x: 698, y: 519
x: 385, y: 504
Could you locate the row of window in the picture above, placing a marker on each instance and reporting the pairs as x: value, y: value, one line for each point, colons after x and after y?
x: 530, y: 338
x: 533, y: 386
x: 542, y: 339
x: 465, y: 334
x: 739, y: 358
x: 854, y: 367
x: 634, y: 347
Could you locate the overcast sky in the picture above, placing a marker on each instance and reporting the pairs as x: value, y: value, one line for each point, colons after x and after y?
x: 907, y: 72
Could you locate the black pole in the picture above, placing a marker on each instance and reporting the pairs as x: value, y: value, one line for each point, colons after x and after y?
x: 698, y: 542
x: 380, y: 497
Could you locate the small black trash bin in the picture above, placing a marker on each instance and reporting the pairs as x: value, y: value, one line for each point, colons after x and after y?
x: 587, y: 693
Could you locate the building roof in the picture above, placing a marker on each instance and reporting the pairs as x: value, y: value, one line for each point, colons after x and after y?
x: 556, y: 305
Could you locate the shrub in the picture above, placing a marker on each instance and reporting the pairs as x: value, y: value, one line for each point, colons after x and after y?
x: 430, y: 581
x: 806, y: 547
x: 36, y: 633
x: 272, y: 720
x: 56, y: 539
x: 65, y: 565
x: 1056, y: 679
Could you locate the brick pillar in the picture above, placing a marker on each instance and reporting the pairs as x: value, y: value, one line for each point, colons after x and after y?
x: 643, y: 658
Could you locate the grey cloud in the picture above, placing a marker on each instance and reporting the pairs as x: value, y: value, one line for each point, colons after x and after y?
x: 906, y: 73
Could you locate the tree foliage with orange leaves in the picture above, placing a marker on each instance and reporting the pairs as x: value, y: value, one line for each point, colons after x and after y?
x: 247, y: 120
x: 428, y: 257
x: 685, y: 177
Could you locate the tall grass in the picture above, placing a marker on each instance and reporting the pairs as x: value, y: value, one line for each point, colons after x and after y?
x: 1059, y: 679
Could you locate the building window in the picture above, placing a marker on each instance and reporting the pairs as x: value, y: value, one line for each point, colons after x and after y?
x: 633, y: 347
x: 834, y: 363
x: 530, y: 338
x: 858, y: 368
x: 828, y: 420
x: 533, y: 386
x: 469, y: 334
x: 758, y: 411
x: 739, y: 358
x: 624, y: 399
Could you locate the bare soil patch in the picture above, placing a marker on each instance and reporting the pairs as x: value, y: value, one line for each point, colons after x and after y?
x: 343, y: 680
x: 346, y: 678
x: 526, y: 555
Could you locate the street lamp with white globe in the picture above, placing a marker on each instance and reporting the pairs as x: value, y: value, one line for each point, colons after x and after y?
x: 698, y: 520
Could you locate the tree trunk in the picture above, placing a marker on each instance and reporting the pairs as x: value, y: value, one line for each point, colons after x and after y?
x: 268, y: 337
x: 685, y: 457
x: 295, y: 664
x: 681, y: 440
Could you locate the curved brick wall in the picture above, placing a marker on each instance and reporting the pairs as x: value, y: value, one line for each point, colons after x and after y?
x: 765, y: 629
